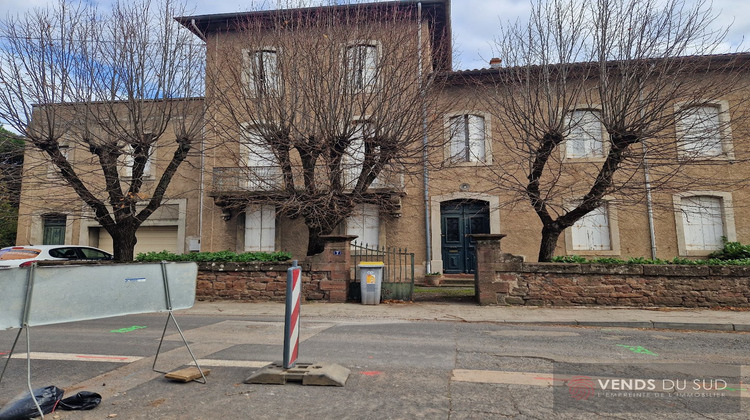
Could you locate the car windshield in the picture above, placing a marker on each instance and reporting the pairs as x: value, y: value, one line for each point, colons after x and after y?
x: 18, y: 253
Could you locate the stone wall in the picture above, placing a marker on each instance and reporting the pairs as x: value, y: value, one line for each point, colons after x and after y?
x: 324, y: 277
x: 253, y: 282
x: 504, y: 279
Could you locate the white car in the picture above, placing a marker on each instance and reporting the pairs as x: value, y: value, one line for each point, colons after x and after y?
x: 23, y: 256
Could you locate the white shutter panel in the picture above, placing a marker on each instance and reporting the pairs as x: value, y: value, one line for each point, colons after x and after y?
x: 702, y: 223
x: 591, y: 232
x: 457, y: 129
x: 260, y: 228
x: 476, y: 138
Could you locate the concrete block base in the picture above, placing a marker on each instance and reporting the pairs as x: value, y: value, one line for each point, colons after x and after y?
x: 322, y: 374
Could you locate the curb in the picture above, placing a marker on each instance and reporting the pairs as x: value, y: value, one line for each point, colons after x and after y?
x: 657, y: 325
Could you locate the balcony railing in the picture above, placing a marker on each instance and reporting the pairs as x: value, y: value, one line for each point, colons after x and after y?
x: 270, y: 178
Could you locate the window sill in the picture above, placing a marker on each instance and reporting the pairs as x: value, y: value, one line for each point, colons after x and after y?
x: 596, y: 253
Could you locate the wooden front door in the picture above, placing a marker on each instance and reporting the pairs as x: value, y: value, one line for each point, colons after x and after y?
x: 460, y: 218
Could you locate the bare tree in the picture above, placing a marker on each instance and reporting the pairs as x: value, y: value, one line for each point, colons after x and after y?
x: 589, y: 98
x: 111, y: 87
x: 325, y: 109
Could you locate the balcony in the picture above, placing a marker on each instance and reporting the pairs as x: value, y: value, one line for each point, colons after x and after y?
x: 260, y: 179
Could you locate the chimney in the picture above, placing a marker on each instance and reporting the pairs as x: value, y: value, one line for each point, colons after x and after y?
x: 496, y: 63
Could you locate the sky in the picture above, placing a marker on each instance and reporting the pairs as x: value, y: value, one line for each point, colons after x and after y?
x: 474, y: 22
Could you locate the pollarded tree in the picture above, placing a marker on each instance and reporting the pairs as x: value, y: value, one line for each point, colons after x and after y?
x: 593, y: 94
x: 94, y: 94
x: 324, y: 108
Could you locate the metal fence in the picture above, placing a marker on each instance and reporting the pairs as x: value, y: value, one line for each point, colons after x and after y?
x: 398, y: 272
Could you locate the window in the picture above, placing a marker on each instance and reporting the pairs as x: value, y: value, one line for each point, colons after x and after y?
x: 596, y: 233
x: 702, y: 219
x: 256, y: 156
x: 364, y: 222
x: 262, y: 71
x: 260, y: 228
x: 130, y: 162
x: 467, y: 138
x: 361, y: 62
x: 699, y: 132
x: 584, y: 140
x: 702, y: 223
x: 591, y: 232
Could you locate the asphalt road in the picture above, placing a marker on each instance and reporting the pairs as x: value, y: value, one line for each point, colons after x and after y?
x: 399, y: 369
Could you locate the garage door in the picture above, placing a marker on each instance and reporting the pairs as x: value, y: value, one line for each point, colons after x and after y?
x: 150, y: 239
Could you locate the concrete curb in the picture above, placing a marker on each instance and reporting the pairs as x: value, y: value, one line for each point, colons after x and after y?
x: 606, y: 317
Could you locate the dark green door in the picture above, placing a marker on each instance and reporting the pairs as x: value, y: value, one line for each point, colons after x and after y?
x: 460, y: 218
x: 54, y: 230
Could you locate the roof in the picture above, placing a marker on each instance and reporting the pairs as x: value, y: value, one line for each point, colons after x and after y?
x: 435, y: 12
x: 739, y: 60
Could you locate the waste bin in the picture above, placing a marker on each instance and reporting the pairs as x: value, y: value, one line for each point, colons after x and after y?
x: 370, y: 281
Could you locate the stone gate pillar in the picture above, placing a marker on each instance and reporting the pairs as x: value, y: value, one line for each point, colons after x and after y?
x: 490, y: 284
x: 336, y: 261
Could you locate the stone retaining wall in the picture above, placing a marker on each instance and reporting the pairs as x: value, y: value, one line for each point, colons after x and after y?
x: 504, y: 279
x: 253, y: 282
x: 324, y: 277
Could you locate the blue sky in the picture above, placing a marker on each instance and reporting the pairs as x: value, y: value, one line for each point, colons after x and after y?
x: 474, y: 22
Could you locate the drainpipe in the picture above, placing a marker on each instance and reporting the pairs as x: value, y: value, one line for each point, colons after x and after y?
x: 201, y: 182
x: 649, y: 201
x: 647, y: 180
x: 425, y: 140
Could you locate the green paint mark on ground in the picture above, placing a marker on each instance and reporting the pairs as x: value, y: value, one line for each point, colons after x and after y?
x: 128, y: 329
x: 638, y: 349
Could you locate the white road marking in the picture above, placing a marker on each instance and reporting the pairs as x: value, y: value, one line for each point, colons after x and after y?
x: 78, y: 357
x: 232, y: 363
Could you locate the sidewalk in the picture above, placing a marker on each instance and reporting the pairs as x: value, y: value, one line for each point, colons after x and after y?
x: 661, y: 318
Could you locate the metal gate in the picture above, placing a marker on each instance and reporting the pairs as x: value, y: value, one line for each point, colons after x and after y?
x: 398, y: 273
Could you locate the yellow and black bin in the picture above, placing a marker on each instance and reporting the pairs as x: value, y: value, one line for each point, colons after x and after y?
x: 370, y: 281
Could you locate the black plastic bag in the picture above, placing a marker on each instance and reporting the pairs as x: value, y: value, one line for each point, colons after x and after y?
x: 23, y: 406
x: 83, y: 400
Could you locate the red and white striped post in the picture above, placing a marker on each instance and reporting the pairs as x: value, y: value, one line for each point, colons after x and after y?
x: 291, y: 321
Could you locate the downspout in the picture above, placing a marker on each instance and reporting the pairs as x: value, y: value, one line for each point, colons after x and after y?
x: 649, y: 201
x: 201, y: 182
x: 647, y: 179
x: 425, y: 140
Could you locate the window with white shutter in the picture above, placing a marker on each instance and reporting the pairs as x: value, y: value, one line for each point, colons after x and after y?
x: 362, y: 66
x: 585, y: 138
x: 702, y: 222
x: 699, y: 132
x: 467, y: 138
x: 260, y: 228
x: 261, y: 75
x: 591, y: 232
x: 256, y: 156
x: 364, y: 222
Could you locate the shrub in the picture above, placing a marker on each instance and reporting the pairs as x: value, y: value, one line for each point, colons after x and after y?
x: 221, y: 256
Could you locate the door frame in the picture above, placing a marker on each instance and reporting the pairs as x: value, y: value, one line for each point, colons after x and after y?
x: 435, y: 220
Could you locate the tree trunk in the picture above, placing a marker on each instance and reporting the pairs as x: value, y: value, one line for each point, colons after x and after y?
x: 315, y: 244
x: 548, y: 243
x: 123, y: 242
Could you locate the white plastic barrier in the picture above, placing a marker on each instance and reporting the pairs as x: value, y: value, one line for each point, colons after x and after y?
x: 82, y: 292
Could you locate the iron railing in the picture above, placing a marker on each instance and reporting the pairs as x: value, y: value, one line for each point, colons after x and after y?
x: 271, y: 178
x: 398, y: 270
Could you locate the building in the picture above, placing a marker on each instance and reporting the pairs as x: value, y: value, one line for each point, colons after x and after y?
x: 236, y: 193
